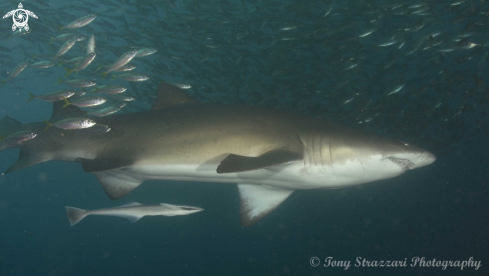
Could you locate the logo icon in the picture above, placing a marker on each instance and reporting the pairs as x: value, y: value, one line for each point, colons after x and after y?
x: 314, y: 261
x: 20, y: 17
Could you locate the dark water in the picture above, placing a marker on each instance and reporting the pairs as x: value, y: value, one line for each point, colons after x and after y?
x: 235, y: 52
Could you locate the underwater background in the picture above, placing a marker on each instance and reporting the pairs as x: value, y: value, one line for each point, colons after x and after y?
x: 413, y: 71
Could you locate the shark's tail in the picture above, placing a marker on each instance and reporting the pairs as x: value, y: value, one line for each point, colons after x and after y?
x: 75, y: 214
x: 9, y: 126
x: 36, y: 150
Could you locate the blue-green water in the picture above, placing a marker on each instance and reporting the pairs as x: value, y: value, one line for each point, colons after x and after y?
x: 288, y: 55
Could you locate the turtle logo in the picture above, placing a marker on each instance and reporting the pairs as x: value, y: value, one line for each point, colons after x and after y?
x: 20, y: 17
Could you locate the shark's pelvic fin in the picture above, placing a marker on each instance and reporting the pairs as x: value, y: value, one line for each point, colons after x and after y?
x: 169, y: 95
x: 26, y: 159
x: 116, y: 183
x: 257, y: 201
x: 60, y: 113
x: 237, y: 163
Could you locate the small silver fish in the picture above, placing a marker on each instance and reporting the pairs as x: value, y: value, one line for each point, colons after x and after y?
x: 53, y: 96
x: 91, y: 45
x: 85, y: 102
x: 125, y: 68
x: 122, y: 97
x: 123, y: 60
x: 110, y: 89
x: 96, y: 129
x: 132, y: 77
x: 16, y: 72
x: 42, y: 64
x: 108, y: 110
x: 77, y: 82
x: 66, y: 47
x: 145, y: 52
x: 65, y: 37
x: 132, y: 211
x: 18, y: 137
x: 181, y: 85
x: 71, y: 123
x: 83, y: 64
x: 80, y: 22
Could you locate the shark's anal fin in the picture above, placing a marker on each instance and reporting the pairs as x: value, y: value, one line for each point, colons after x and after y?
x: 117, y: 183
x: 237, y: 163
x: 169, y: 95
x: 25, y: 160
x: 104, y: 163
x: 257, y: 201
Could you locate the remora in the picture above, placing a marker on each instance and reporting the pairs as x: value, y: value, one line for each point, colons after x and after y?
x: 269, y: 153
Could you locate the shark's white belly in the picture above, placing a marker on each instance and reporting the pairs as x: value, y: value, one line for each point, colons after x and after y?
x: 294, y: 175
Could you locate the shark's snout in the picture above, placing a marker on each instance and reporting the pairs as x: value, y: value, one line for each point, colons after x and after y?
x: 413, y: 160
x: 425, y: 159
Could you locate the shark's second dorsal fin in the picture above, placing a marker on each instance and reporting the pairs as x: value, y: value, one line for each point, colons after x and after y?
x: 169, y: 95
x: 60, y: 113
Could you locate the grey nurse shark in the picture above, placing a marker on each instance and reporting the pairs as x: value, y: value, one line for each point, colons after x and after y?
x: 269, y: 153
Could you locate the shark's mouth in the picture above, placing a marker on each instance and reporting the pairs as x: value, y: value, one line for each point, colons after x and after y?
x: 403, y: 163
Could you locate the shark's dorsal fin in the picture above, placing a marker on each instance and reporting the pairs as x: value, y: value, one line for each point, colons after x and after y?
x: 9, y: 126
x: 60, y: 113
x: 238, y: 163
x: 257, y: 201
x: 169, y: 95
x: 116, y: 183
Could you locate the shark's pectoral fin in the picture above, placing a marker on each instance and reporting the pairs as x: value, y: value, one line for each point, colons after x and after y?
x: 238, y: 163
x: 27, y: 159
x: 105, y: 163
x: 116, y: 183
x: 257, y: 201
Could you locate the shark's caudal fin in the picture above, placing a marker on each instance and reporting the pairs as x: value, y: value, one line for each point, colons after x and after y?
x: 116, y: 183
x: 169, y: 95
x: 257, y: 201
x: 9, y: 126
x: 27, y: 159
x: 34, y: 155
x: 75, y: 214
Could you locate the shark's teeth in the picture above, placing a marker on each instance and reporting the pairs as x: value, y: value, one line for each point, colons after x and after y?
x: 403, y: 163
